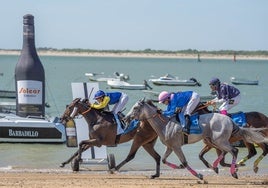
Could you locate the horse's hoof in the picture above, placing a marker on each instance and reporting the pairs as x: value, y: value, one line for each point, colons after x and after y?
x: 180, y: 167
x: 75, y: 165
x: 255, y: 169
x: 154, y: 176
x: 216, y: 169
x: 200, y: 176
x: 62, y: 165
x: 111, y: 171
x: 235, y: 175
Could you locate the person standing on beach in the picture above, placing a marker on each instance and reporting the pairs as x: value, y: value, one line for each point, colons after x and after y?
x: 181, y: 102
x: 228, y: 96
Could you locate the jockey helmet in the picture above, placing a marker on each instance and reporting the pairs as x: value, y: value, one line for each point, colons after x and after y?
x: 214, y: 81
x: 99, y: 94
x: 163, y: 96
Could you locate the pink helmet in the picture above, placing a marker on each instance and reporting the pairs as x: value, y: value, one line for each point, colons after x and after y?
x: 163, y: 96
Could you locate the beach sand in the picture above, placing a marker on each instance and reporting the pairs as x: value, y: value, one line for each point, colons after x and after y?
x: 72, y: 180
x: 138, y: 55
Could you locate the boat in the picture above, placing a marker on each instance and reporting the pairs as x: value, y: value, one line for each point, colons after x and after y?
x: 95, y: 77
x: 170, y: 80
x: 119, y: 84
x: 16, y: 129
x: 31, y: 129
x: 7, y: 94
x: 242, y: 81
x: 8, y: 107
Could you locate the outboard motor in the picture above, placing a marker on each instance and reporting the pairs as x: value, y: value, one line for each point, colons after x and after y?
x: 195, y: 80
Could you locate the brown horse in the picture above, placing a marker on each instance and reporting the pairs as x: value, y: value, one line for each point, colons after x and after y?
x: 254, y: 120
x: 102, y: 131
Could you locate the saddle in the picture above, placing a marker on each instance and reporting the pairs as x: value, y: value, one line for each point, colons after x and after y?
x: 195, y: 128
x: 239, y: 118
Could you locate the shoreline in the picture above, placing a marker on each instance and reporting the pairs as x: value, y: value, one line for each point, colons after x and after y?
x: 137, y: 55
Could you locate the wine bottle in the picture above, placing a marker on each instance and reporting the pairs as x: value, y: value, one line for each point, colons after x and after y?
x: 29, y: 75
x: 71, y: 136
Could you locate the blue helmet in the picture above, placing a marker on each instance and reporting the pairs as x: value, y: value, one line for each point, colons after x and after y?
x: 214, y: 81
x: 99, y: 94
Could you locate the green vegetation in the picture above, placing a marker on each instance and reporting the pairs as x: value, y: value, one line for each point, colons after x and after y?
x: 151, y: 51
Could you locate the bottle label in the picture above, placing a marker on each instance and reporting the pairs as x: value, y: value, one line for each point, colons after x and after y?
x: 29, y: 92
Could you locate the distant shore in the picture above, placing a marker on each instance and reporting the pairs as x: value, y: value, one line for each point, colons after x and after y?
x: 138, y: 55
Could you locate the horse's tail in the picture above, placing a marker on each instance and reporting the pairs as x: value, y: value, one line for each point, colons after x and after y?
x: 253, y: 135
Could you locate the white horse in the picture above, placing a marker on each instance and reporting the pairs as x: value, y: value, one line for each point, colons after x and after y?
x: 217, y: 129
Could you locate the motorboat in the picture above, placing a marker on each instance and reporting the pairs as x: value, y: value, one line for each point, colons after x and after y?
x: 170, y: 80
x: 16, y: 129
x: 119, y: 84
x: 95, y: 77
x: 242, y: 81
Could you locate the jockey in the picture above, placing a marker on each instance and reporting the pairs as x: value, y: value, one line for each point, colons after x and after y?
x: 117, y: 99
x: 227, y: 95
x: 184, y: 102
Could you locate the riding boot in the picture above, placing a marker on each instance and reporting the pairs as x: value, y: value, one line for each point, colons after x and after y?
x: 119, y: 127
x: 186, y: 128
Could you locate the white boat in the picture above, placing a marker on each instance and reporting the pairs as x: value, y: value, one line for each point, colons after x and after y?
x: 119, y: 84
x: 96, y: 77
x: 242, y: 81
x: 170, y: 80
x: 15, y: 129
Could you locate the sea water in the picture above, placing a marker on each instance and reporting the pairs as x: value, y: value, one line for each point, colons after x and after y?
x: 60, y: 72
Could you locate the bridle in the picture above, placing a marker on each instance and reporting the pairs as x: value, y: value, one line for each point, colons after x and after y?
x: 153, y: 116
x: 74, y: 111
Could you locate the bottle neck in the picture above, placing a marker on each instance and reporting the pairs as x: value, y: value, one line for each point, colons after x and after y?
x: 28, y: 38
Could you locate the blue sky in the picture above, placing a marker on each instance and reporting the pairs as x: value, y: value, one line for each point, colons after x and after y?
x: 138, y: 24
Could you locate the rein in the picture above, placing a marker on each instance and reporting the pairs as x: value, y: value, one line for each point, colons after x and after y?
x: 206, y: 105
x: 83, y: 113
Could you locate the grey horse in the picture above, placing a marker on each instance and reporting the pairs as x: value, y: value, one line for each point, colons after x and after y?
x: 217, y: 130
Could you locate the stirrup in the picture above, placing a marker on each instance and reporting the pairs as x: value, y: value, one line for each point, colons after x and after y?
x: 185, y: 131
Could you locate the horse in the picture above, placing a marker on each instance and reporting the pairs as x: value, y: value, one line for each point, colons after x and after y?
x: 102, y: 131
x: 254, y: 120
x: 217, y: 130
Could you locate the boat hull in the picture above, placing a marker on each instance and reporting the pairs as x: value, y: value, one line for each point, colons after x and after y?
x: 16, y: 129
x: 117, y: 84
x: 7, y: 94
x: 238, y: 81
x: 173, y: 83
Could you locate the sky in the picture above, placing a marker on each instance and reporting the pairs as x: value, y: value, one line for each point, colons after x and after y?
x: 138, y: 24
